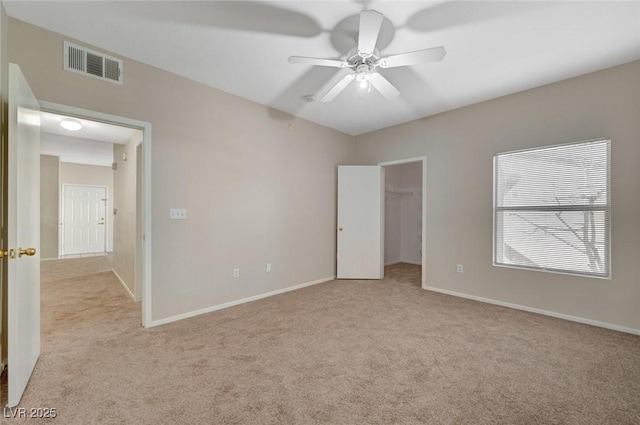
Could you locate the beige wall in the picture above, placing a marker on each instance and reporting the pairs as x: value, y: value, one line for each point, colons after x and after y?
x: 460, y: 146
x: 124, y: 222
x: 92, y: 175
x: 256, y: 189
x: 49, y: 206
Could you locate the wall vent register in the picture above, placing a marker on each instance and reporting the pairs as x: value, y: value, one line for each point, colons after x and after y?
x: 94, y: 64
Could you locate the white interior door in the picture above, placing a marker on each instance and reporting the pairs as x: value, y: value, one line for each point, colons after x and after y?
x: 23, y: 235
x: 84, y: 213
x: 360, y: 233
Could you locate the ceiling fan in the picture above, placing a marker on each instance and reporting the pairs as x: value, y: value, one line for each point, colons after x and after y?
x: 365, y: 59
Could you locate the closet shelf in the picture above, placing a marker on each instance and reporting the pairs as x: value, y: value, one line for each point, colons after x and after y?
x: 400, y: 192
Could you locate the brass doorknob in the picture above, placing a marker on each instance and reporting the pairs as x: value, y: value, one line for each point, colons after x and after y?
x: 29, y: 252
x: 3, y: 253
x: 341, y: 228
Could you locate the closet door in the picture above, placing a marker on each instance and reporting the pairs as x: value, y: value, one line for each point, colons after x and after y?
x: 360, y: 232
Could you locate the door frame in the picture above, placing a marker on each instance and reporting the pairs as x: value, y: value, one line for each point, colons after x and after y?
x: 61, y: 215
x: 145, y: 127
x: 423, y: 160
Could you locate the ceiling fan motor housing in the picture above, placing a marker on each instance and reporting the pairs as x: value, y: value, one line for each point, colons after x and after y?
x: 355, y: 59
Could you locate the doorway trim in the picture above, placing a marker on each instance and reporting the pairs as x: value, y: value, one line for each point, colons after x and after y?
x: 423, y: 160
x: 145, y: 127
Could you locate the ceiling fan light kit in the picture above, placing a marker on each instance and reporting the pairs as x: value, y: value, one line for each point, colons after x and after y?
x: 365, y: 59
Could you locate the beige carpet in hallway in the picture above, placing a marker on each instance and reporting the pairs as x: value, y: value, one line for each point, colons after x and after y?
x: 56, y: 270
x: 342, y: 352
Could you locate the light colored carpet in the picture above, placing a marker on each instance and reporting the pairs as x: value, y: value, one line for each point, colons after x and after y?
x: 342, y: 352
x: 54, y: 270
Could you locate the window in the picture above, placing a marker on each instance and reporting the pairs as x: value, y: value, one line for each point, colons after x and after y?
x: 552, y: 209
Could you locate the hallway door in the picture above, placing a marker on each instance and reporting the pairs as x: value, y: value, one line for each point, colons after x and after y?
x: 83, y: 219
x: 23, y: 235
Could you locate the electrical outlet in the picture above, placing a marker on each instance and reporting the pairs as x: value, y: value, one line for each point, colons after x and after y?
x: 460, y: 268
x: 236, y: 273
x: 178, y: 214
x: 268, y: 268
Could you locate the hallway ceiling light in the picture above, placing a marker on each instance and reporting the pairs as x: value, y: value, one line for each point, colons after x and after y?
x: 71, y: 125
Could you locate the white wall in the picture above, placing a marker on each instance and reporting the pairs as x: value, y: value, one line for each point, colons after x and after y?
x: 412, y: 213
x: 392, y: 216
x: 259, y: 185
x: 91, y: 175
x: 460, y: 146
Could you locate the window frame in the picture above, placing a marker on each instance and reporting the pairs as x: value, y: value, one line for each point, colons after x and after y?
x: 573, y: 208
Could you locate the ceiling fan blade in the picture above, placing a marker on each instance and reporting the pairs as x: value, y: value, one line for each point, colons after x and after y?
x: 318, y: 62
x: 370, y: 23
x: 335, y: 90
x: 434, y: 54
x: 383, y: 86
x: 253, y: 16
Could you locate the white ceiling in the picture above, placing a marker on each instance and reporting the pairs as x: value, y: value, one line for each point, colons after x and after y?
x: 93, y: 144
x: 493, y: 48
x: 76, y: 150
x: 91, y: 130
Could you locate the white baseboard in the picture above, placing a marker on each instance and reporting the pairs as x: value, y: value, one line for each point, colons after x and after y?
x: 391, y: 263
x: 49, y: 259
x: 124, y: 285
x: 237, y: 302
x: 537, y: 310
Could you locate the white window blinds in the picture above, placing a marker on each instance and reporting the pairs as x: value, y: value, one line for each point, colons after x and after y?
x: 552, y: 208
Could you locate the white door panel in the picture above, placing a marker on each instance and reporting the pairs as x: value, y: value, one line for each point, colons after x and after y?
x: 23, y: 231
x: 84, y: 219
x: 360, y: 233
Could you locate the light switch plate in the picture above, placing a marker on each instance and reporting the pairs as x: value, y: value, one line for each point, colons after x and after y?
x: 178, y: 214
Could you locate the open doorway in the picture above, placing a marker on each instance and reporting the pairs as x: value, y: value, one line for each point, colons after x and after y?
x: 404, y: 220
x: 108, y: 153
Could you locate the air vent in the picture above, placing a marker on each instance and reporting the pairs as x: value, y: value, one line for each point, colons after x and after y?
x: 91, y: 63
